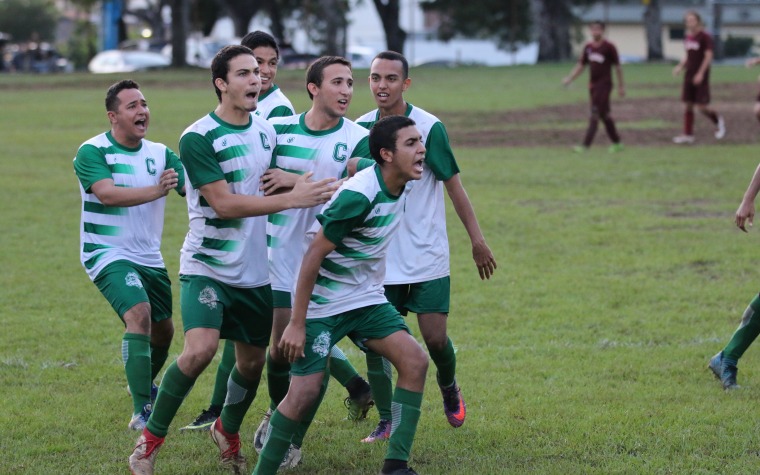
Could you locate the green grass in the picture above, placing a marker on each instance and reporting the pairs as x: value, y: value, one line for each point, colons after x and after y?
x: 619, y: 276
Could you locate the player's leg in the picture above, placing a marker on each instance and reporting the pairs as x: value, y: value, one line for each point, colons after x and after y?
x: 725, y: 362
x: 159, y: 289
x: 411, y: 363
x: 593, y: 121
x: 208, y: 416
x: 359, y: 399
x: 756, y: 109
x: 688, y: 96
x: 603, y: 108
x: 120, y: 284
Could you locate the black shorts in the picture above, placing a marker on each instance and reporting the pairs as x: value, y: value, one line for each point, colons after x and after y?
x: 600, y: 99
x: 697, y: 94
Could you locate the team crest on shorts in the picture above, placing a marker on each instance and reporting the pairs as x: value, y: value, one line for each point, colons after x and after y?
x: 132, y: 280
x: 208, y: 297
x: 321, y: 345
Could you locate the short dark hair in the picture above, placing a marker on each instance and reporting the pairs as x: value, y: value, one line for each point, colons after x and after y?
x: 384, y: 133
x: 315, y: 72
x: 220, y: 65
x: 258, y: 38
x: 598, y: 22
x: 112, y: 101
x: 394, y: 56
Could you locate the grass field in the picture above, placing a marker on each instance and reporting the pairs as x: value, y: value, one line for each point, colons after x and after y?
x: 619, y: 276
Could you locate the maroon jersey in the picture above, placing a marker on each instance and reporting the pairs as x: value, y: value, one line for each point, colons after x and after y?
x: 696, y: 47
x: 600, y: 58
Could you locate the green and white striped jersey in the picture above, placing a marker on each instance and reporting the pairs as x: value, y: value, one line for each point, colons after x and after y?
x: 420, y: 252
x: 300, y: 150
x: 273, y: 103
x: 232, y: 251
x: 110, y: 233
x: 359, y: 219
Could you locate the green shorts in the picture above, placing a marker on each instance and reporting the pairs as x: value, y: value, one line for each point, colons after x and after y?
x: 240, y: 314
x: 361, y: 324
x: 432, y: 296
x: 281, y: 299
x: 125, y: 284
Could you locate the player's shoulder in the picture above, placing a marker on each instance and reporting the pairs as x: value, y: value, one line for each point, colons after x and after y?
x: 288, y: 119
x: 424, y: 119
x: 354, y: 130
x: 368, y: 118
x: 98, y: 141
x: 261, y: 123
x: 201, y: 126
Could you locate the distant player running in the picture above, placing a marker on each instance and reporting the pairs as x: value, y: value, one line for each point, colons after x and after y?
x: 601, y: 55
x: 696, y: 80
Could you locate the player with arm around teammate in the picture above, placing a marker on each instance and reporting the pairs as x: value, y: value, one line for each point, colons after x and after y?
x: 124, y: 179
x: 224, y: 277
x: 340, y: 293
x: 417, y: 271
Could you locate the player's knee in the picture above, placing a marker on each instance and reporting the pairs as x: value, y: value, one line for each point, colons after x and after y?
x: 195, y: 360
x: 137, y: 319
x: 437, y: 343
x: 251, y: 366
x: 276, y: 355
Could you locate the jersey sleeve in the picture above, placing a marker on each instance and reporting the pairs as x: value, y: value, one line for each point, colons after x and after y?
x: 364, y: 163
x: 281, y: 111
x: 90, y: 166
x: 362, y: 148
x: 173, y: 162
x: 344, y: 214
x: 199, y: 160
x: 439, y: 157
x: 706, y: 42
x: 614, y: 57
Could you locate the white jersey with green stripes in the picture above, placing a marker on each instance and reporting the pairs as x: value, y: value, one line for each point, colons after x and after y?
x: 420, y: 252
x: 110, y: 233
x: 273, y: 103
x: 300, y: 150
x: 360, y: 220
x: 232, y: 251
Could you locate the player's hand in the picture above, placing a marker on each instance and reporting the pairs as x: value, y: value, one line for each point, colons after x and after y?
x: 745, y: 214
x: 677, y: 70
x: 274, y: 180
x: 566, y: 81
x: 697, y: 79
x: 307, y: 193
x: 167, y: 181
x: 292, y: 342
x: 484, y: 260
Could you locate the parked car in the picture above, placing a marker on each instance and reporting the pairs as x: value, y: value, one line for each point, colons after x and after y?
x: 37, y: 58
x: 119, y: 61
x: 201, y: 51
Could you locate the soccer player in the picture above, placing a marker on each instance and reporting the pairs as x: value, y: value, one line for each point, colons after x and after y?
x: 123, y: 180
x: 224, y: 278
x: 340, y: 293
x: 417, y: 273
x: 271, y: 103
x: 320, y: 141
x: 696, y: 80
x: 601, y: 55
x: 754, y: 62
x: 724, y: 364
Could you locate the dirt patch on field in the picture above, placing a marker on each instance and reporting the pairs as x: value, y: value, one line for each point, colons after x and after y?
x: 649, y: 121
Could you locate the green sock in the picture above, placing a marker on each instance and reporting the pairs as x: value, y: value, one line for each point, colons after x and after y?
x: 158, y: 355
x: 174, y: 388
x: 309, y: 417
x: 748, y: 330
x: 240, y: 395
x: 446, y: 364
x: 278, y: 381
x: 379, y: 375
x: 281, y: 430
x: 135, y: 352
x: 223, y: 374
x: 340, y: 367
x: 406, y: 404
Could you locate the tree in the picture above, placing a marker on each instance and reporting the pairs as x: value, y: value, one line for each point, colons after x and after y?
x: 395, y: 37
x: 180, y: 25
x: 204, y: 14
x: 27, y: 20
x: 553, y: 27
x: 653, y: 26
x: 241, y: 12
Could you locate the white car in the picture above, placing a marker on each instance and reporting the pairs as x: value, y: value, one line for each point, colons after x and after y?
x: 201, y: 51
x: 119, y: 61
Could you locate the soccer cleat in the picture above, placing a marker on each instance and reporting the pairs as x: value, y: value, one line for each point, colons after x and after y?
x: 229, y: 449
x: 359, y: 407
x: 143, y: 457
x: 381, y: 432
x: 715, y: 364
x: 203, y: 422
x: 720, y: 128
x: 259, y: 438
x: 401, y: 471
x: 728, y: 376
x: 683, y: 139
x: 140, y: 419
x: 453, y: 405
x: 580, y: 149
x: 616, y: 147
x: 292, y: 457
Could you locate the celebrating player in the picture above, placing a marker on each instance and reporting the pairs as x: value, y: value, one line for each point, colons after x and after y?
x: 601, y: 55
x: 696, y: 80
x: 123, y: 180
